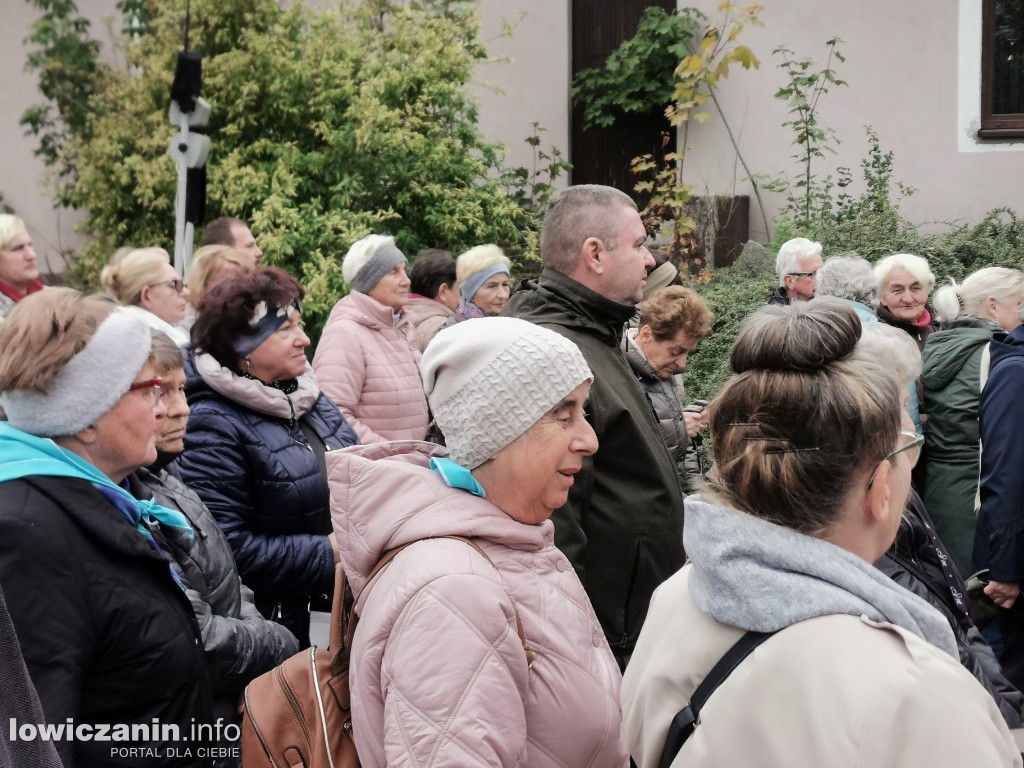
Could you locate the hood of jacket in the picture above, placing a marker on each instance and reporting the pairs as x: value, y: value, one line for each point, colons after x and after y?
x: 635, y: 356
x: 205, y: 376
x: 418, y: 310
x: 556, y: 299
x: 753, y: 574
x: 384, y: 495
x: 949, y: 350
x: 1005, y: 345
x: 361, y: 308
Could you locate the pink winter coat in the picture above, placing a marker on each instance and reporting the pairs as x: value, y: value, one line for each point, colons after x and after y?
x: 439, y: 676
x: 368, y: 364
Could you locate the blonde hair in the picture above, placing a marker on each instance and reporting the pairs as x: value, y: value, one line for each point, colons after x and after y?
x: 478, y: 258
x: 969, y: 298
x: 132, y: 269
x: 43, y: 332
x: 10, y: 227
x: 208, y: 262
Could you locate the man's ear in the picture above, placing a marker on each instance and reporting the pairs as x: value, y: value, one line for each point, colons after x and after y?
x: 591, y: 255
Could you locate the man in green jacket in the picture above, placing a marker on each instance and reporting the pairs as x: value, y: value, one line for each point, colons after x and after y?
x: 622, y: 527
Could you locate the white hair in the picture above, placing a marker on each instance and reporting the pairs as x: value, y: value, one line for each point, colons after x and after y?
x: 792, y: 253
x: 917, y: 266
x: 848, y: 277
x: 969, y: 298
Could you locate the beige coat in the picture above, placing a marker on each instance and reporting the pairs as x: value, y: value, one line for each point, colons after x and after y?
x: 368, y: 364
x: 831, y: 691
x: 427, y: 317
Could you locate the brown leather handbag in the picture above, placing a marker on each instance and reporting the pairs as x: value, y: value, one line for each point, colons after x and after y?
x: 298, y: 715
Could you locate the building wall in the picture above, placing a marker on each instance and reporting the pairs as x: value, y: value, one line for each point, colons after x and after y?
x: 913, y: 70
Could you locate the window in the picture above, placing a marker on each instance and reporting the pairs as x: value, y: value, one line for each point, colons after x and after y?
x: 1002, y: 69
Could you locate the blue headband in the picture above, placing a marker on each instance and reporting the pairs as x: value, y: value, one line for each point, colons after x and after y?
x: 471, y: 284
x: 261, y: 326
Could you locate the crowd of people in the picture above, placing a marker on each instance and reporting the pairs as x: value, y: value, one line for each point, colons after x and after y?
x: 181, y: 475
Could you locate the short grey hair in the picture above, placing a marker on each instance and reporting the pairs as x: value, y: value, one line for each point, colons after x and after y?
x: 968, y: 298
x: 579, y: 213
x: 917, y: 266
x: 792, y: 253
x: 891, y: 348
x: 848, y: 277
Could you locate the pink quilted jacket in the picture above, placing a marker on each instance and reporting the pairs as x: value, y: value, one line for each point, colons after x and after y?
x: 368, y: 364
x: 439, y: 676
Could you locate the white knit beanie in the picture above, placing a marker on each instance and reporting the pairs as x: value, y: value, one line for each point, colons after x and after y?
x: 489, y: 379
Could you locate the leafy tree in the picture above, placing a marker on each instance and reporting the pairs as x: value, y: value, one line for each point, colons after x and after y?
x: 326, y: 125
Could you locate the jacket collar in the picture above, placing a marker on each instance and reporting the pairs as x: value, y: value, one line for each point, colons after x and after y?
x: 255, y: 394
x: 586, y: 308
x: 370, y: 312
x: 637, y: 361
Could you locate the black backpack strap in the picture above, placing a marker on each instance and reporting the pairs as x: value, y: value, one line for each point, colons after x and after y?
x: 689, y: 716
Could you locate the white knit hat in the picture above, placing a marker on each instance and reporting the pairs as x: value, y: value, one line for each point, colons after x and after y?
x: 490, y: 379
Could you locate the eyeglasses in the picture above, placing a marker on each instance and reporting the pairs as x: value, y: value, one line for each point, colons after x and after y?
x: 150, y: 388
x: 176, y: 284
x: 913, y: 448
x: 802, y: 274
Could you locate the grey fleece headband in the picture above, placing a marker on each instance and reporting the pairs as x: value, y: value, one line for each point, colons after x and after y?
x: 90, y: 385
x: 376, y: 267
x: 472, y: 284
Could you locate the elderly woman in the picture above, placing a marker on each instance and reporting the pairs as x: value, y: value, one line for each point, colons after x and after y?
x: 367, y: 360
x: 441, y: 673
x: 209, y: 265
x: 670, y: 325
x: 814, y: 460
x: 256, y: 438
x: 904, y: 283
x: 19, y: 273
x: 850, y: 278
x: 106, y: 630
x: 240, y: 643
x: 144, y: 281
x: 919, y: 561
x: 482, y: 273
x: 987, y: 302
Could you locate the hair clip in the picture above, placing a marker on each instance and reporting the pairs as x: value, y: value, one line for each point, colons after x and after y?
x: 744, y: 424
x: 793, y: 450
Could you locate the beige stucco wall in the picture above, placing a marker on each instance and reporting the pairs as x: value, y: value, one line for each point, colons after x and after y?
x: 913, y: 72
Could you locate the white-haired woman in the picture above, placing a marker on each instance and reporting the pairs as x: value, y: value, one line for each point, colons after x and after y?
x: 986, y: 302
x: 482, y: 274
x: 814, y: 455
x: 143, y: 280
x: 489, y: 653
x: 367, y: 360
x: 106, y: 629
x: 19, y: 272
x: 850, y: 278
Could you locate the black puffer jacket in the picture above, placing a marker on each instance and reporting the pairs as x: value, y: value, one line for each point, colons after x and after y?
x: 918, y: 562
x: 107, y: 635
x: 249, y: 459
x: 622, y: 527
x: 240, y: 643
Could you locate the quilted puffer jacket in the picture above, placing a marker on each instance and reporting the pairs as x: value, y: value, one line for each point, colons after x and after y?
x: 439, y: 675
x: 367, y: 362
x: 249, y: 460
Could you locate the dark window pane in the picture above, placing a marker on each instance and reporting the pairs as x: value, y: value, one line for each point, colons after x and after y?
x: 1008, y: 54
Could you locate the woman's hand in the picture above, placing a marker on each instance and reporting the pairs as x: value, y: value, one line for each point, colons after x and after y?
x: 1004, y: 595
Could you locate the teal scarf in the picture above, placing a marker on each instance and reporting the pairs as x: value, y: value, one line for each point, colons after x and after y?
x: 457, y: 476
x: 24, y: 455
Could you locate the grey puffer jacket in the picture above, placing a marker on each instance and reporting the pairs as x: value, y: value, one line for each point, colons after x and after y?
x: 666, y: 396
x: 240, y: 643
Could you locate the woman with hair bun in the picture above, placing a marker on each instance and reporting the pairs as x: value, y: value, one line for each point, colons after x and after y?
x: 143, y: 280
x: 814, y: 456
x: 986, y: 302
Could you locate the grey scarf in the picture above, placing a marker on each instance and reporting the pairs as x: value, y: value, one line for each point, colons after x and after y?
x: 759, y: 576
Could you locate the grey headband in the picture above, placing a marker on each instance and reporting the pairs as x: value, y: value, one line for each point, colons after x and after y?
x: 376, y: 267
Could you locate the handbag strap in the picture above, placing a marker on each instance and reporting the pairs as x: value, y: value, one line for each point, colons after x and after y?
x: 688, y: 717
x: 344, y: 620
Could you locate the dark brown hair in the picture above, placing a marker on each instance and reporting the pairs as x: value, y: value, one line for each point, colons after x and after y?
x: 432, y: 269
x: 218, y: 231
x: 225, y: 312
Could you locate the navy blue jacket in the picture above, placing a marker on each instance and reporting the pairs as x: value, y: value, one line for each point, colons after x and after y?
x: 999, y: 537
x: 261, y: 480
